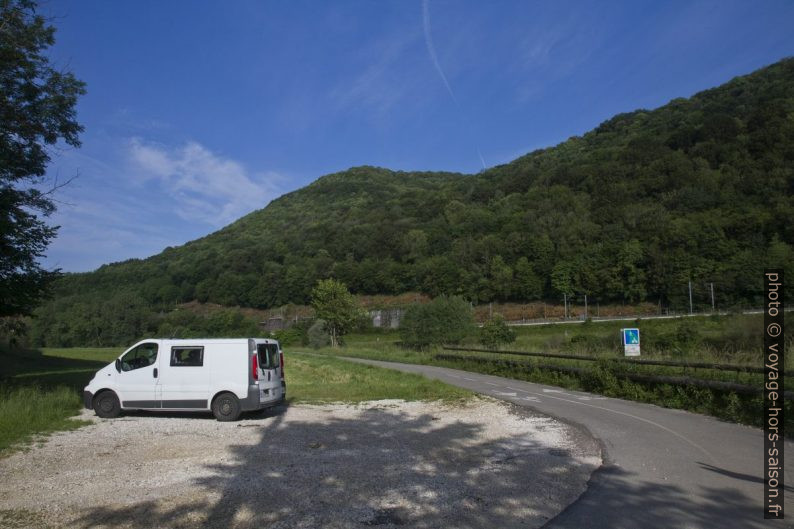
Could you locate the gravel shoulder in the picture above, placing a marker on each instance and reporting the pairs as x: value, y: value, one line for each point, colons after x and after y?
x: 381, y: 463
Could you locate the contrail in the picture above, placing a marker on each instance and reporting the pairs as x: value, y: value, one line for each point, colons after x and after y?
x: 432, y: 51
x: 482, y: 160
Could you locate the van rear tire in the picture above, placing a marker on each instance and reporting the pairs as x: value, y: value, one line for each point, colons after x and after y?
x: 106, y: 405
x: 226, y: 407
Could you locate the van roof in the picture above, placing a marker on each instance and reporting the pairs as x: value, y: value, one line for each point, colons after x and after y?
x: 210, y: 340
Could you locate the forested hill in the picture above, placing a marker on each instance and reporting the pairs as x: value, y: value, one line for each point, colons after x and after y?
x: 701, y: 189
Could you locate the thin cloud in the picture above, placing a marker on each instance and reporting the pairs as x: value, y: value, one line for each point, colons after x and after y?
x: 379, y: 84
x: 205, y: 187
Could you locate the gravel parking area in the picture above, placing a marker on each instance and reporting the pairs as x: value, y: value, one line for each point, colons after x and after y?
x: 380, y: 463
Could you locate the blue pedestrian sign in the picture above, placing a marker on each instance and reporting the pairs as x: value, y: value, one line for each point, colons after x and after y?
x: 631, y: 342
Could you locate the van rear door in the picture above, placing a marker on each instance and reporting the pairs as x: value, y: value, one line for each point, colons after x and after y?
x: 269, y: 371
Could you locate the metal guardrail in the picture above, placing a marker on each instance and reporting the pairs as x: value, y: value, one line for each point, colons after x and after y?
x: 667, y: 363
x: 634, y: 377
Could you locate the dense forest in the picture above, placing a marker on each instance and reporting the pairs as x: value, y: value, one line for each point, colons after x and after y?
x: 700, y: 190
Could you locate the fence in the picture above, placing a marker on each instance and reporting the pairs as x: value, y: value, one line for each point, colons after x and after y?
x: 634, y: 377
x: 667, y: 363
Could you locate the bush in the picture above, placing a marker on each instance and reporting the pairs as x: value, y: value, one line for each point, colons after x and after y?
x: 317, y: 335
x: 687, y: 336
x: 495, y: 333
x: 443, y: 320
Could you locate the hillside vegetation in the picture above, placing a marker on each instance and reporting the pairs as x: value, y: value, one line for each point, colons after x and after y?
x: 701, y: 189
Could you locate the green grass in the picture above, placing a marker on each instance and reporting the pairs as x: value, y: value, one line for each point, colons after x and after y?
x: 41, y: 391
x: 735, y: 339
x: 30, y: 411
x: 315, y: 379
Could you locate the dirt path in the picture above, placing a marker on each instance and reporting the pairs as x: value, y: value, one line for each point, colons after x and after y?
x: 382, y: 463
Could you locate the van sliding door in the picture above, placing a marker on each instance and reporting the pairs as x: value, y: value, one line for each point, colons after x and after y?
x: 184, y: 378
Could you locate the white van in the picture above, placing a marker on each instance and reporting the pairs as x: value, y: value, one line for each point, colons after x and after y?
x: 226, y: 376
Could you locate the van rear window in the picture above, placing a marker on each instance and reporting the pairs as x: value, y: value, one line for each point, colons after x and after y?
x: 268, y: 355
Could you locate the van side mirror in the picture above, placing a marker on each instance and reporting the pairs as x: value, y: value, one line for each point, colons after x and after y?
x: 118, y: 365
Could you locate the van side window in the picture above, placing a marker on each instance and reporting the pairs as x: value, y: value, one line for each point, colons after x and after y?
x: 142, y: 356
x: 187, y: 356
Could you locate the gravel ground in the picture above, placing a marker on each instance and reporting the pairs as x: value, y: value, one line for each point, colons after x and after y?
x: 381, y: 463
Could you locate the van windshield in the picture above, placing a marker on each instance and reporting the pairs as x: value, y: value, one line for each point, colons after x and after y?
x: 268, y: 355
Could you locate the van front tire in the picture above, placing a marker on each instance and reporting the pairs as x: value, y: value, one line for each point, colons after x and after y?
x: 226, y: 407
x: 106, y: 405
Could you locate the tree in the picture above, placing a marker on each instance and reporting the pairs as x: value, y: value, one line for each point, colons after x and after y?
x: 495, y: 332
x: 335, y: 304
x: 501, y: 278
x: 36, y: 110
x: 529, y: 286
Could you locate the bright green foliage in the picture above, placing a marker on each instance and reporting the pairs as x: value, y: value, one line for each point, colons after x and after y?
x: 36, y: 111
x: 315, y: 379
x: 495, y: 332
x: 334, y: 304
x: 445, y: 320
x: 700, y: 188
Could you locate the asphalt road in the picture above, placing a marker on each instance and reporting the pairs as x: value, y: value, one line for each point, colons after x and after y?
x: 662, y: 468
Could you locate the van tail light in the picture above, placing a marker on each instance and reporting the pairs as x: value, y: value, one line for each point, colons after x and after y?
x: 255, y: 367
x: 281, y: 361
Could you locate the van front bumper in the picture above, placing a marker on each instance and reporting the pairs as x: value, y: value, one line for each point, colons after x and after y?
x: 88, y: 400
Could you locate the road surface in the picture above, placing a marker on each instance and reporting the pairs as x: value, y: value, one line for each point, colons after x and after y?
x: 662, y: 468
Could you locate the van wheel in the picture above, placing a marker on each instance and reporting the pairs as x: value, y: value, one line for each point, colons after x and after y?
x: 106, y: 405
x: 226, y: 407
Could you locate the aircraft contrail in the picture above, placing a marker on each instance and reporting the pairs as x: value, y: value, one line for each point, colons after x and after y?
x: 431, y: 49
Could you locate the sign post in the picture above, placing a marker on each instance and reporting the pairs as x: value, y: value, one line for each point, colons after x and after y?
x: 631, y: 342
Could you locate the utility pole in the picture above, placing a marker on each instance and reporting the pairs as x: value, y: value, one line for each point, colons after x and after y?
x: 585, y: 306
x: 690, y: 298
x: 565, y: 300
x: 712, y: 297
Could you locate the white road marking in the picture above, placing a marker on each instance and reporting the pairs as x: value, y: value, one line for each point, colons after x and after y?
x: 546, y: 393
x: 665, y: 428
x: 491, y: 384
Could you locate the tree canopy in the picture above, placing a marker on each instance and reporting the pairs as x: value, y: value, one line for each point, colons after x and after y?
x: 36, y: 110
x: 700, y: 190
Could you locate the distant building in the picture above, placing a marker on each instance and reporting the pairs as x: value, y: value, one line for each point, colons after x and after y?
x: 386, y: 318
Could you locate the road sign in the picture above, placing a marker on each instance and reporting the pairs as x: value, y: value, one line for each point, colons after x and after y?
x: 631, y: 342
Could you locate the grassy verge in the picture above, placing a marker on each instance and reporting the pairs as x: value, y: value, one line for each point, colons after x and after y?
x: 728, y: 339
x: 40, y: 391
x: 314, y: 379
x: 30, y: 411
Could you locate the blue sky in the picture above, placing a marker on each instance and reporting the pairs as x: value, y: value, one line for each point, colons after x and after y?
x: 200, y: 112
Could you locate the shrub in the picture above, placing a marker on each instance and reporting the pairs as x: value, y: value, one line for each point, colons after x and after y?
x: 495, y: 332
x: 443, y: 320
x: 317, y: 335
x: 687, y: 336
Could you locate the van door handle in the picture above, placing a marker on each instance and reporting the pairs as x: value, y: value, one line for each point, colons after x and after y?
x: 154, y: 372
